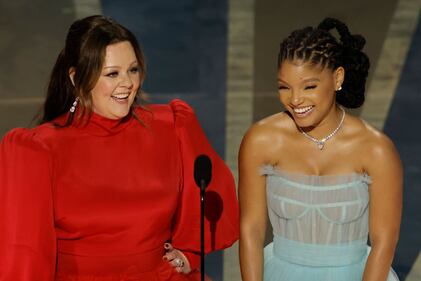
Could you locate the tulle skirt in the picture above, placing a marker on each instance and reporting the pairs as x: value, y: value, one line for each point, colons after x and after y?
x: 288, y: 260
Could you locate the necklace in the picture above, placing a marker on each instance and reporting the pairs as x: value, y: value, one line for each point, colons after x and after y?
x: 321, y: 143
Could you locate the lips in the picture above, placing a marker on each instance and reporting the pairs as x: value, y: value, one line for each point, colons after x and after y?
x: 303, y: 110
x: 122, y: 96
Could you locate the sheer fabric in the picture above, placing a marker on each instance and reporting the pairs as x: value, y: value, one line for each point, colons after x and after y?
x: 320, y: 226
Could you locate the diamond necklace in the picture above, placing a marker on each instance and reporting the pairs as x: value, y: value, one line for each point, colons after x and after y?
x: 321, y: 143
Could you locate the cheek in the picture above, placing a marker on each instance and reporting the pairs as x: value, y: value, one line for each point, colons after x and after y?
x: 102, y: 89
x: 326, y: 93
x: 329, y: 87
x: 283, y: 97
x: 136, y: 82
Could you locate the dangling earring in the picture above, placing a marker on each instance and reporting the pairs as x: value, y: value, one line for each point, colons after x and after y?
x: 73, y: 108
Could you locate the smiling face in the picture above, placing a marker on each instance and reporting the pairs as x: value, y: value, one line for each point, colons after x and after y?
x: 118, y: 83
x: 308, y: 92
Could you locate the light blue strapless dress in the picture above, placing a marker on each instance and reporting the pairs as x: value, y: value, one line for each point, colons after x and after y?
x: 320, y: 227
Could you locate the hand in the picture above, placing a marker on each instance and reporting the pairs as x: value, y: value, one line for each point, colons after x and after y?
x: 177, y: 259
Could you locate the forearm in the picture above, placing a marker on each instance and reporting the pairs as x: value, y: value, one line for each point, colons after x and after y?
x: 378, y: 263
x: 251, y: 258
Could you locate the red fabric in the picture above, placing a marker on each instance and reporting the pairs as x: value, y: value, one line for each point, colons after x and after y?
x: 194, y: 259
x: 97, y: 201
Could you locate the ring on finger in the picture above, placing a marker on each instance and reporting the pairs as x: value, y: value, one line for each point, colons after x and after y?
x: 178, y: 262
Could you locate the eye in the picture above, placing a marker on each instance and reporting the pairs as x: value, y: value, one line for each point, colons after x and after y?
x: 134, y: 69
x: 280, y: 88
x: 112, y: 74
x: 311, y: 87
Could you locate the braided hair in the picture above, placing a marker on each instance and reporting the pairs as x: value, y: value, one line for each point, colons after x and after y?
x: 319, y: 47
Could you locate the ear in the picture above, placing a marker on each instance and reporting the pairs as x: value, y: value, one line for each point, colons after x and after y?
x: 339, y: 76
x: 72, y: 75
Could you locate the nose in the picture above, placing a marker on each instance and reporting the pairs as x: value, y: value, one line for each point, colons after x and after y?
x: 126, y: 81
x: 296, y: 98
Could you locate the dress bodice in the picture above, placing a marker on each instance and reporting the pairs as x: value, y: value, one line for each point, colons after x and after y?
x: 315, y: 209
x: 98, y: 199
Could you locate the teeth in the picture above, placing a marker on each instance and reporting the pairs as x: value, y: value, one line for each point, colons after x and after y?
x: 121, y: 96
x: 302, y: 109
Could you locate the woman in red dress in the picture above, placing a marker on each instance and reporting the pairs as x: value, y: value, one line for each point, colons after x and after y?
x: 104, y: 189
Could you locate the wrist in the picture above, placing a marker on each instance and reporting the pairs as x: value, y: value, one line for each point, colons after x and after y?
x: 193, y: 259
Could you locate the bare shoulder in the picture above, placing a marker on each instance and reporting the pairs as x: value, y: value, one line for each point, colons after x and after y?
x: 376, y: 148
x: 268, y: 129
x: 378, y: 143
x: 265, y: 136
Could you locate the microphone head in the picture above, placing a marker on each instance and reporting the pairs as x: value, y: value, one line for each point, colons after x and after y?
x: 202, y: 170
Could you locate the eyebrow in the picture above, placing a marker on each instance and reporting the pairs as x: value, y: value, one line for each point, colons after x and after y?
x: 304, y: 81
x: 115, y: 66
x: 311, y: 80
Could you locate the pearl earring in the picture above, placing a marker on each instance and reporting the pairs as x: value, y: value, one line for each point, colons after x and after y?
x: 73, y: 108
x: 340, y: 88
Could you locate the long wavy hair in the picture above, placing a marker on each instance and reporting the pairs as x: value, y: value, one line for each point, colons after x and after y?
x: 84, y: 54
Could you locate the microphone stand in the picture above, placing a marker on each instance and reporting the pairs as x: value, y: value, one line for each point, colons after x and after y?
x: 202, y: 176
x: 202, y: 229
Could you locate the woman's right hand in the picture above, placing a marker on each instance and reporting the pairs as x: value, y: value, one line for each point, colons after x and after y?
x: 177, y: 259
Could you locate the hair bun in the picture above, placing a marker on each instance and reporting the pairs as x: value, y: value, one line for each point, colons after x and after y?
x: 346, y: 38
x: 358, y: 42
x: 328, y: 23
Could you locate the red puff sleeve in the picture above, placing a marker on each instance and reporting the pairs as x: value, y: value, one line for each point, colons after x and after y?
x: 27, y: 236
x: 221, y: 204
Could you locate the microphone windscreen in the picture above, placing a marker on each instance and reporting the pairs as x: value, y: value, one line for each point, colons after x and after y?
x: 202, y: 170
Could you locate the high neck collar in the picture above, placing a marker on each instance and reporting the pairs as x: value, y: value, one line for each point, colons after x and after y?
x: 102, y: 126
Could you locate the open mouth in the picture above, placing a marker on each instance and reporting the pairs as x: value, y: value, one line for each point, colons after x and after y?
x: 303, y: 110
x: 121, y: 97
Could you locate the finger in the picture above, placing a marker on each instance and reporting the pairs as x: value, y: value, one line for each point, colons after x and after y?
x: 170, y: 255
x: 177, y: 262
x: 168, y: 246
x: 182, y: 269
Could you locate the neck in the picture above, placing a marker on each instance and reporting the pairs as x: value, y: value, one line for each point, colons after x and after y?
x: 327, y: 125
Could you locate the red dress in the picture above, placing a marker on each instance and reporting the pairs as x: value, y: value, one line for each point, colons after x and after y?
x: 98, y: 201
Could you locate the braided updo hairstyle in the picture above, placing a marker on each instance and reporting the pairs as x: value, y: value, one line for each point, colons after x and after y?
x: 319, y: 47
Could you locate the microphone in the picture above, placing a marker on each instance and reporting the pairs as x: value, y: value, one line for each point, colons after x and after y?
x: 202, y: 177
x: 202, y: 171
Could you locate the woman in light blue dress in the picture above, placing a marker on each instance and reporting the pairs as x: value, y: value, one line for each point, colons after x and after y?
x: 329, y: 182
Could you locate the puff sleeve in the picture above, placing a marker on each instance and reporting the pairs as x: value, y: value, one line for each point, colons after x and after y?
x: 27, y: 236
x: 221, y: 204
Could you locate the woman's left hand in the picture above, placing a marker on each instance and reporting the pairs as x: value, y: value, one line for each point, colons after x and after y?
x: 177, y: 259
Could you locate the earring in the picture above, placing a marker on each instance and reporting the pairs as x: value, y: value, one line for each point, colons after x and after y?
x: 73, y: 108
x: 340, y: 88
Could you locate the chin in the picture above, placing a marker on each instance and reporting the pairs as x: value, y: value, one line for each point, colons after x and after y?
x: 118, y: 114
x: 304, y: 122
x: 122, y: 115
